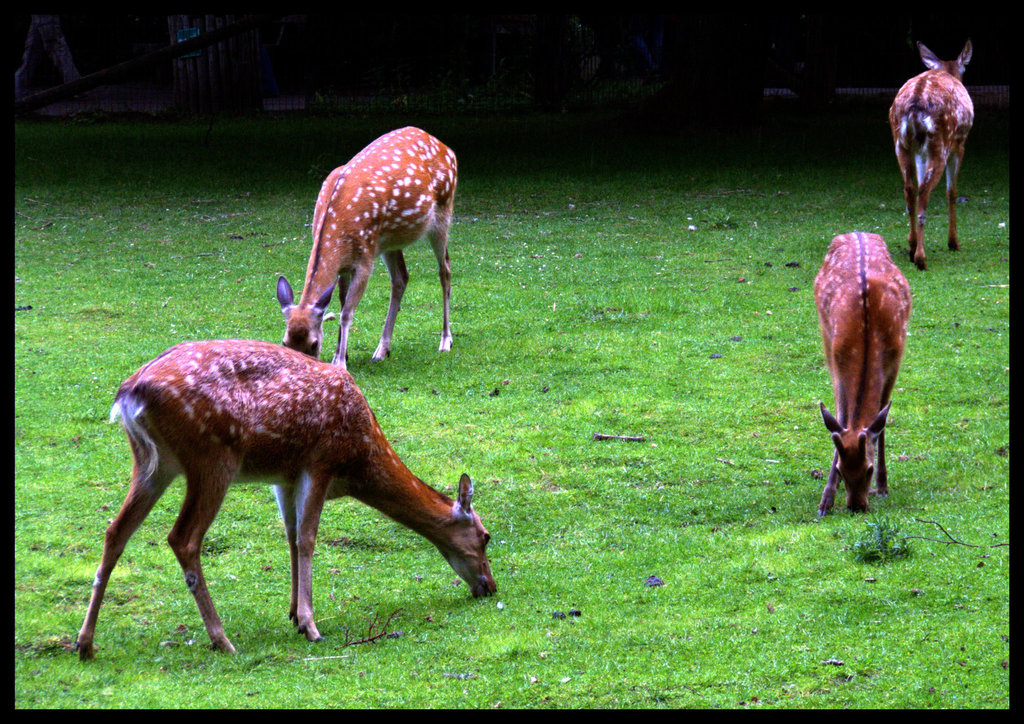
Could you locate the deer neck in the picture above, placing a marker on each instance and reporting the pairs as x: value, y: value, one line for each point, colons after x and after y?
x: 395, y: 491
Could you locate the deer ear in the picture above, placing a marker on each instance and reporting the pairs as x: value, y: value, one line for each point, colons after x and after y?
x: 965, y: 56
x: 464, y: 503
x: 284, y: 293
x: 879, y: 422
x: 831, y: 423
x: 325, y: 298
x: 930, y: 60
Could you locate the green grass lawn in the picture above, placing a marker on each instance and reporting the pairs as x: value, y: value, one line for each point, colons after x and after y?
x: 604, y: 281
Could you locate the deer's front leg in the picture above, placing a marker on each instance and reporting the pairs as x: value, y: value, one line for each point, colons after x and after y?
x: 309, y: 501
x: 354, y: 289
x: 882, y: 476
x: 285, y: 496
x: 828, y: 495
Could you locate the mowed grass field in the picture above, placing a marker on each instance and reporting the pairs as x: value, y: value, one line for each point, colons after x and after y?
x: 604, y: 281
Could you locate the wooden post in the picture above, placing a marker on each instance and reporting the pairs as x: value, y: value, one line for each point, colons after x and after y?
x: 224, y: 77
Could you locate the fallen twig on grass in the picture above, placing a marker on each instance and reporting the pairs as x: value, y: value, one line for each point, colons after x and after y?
x: 370, y: 635
x: 628, y: 438
x: 951, y: 540
x: 324, y: 658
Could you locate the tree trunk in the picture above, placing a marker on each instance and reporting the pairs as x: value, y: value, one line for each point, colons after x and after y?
x: 44, y: 36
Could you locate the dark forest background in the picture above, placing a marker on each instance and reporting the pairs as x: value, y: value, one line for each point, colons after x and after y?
x: 684, y: 68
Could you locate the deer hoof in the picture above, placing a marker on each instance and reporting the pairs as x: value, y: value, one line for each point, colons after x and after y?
x: 85, y: 652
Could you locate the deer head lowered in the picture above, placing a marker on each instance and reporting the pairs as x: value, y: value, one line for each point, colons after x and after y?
x: 228, y: 410
x: 864, y: 304
x: 396, y: 190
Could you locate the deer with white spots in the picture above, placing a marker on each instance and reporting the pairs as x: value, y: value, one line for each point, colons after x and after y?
x: 930, y: 119
x: 864, y: 305
x: 396, y: 190
x: 228, y: 411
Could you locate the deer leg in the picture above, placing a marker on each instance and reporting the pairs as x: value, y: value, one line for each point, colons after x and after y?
x: 928, y: 177
x: 828, y: 495
x: 952, y: 170
x: 439, y: 243
x: 204, y: 493
x: 882, y: 475
x: 922, y: 189
x: 344, y: 280
x: 143, y: 493
x: 395, y: 262
x: 354, y: 288
x: 908, y: 167
x: 310, y: 493
x: 917, y: 254
x: 285, y: 496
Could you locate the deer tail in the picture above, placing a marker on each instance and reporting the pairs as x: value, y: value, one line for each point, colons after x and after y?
x: 130, y: 406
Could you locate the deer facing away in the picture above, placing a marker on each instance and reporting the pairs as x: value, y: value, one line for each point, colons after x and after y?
x: 393, y: 192
x: 223, y: 411
x: 930, y: 119
x: 864, y: 305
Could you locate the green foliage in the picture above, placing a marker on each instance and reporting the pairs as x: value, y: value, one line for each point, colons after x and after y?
x: 881, y: 543
x: 604, y: 281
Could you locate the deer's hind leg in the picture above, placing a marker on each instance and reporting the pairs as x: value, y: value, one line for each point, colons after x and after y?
x: 438, y: 236
x: 206, y: 486
x: 146, y: 487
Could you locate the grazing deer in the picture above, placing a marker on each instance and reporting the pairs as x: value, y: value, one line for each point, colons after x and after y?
x: 396, y: 190
x: 930, y: 119
x: 863, y: 305
x: 235, y: 410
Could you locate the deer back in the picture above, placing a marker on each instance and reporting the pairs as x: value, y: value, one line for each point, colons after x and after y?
x: 385, y: 197
x: 274, y: 410
x: 864, y: 304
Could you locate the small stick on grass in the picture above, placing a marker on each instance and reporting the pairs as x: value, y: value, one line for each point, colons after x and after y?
x: 627, y: 438
x: 370, y: 635
x: 951, y: 540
